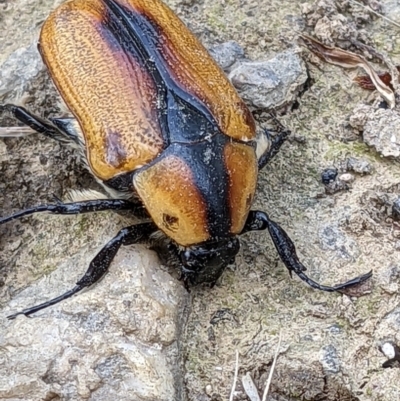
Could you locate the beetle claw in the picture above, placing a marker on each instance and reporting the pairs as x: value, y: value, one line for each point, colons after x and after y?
x: 14, y: 315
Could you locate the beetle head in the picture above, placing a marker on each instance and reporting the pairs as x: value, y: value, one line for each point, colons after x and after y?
x: 205, y: 263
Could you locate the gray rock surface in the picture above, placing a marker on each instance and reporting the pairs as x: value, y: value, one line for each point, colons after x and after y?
x: 380, y: 129
x: 270, y: 84
x: 118, y: 340
x: 227, y: 54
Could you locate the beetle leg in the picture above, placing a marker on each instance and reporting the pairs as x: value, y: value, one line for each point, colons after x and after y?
x: 287, y: 251
x: 70, y: 128
x: 89, y: 206
x: 37, y: 123
x: 273, y: 149
x: 99, y: 265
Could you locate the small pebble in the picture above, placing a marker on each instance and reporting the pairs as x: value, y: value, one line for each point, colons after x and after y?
x: 347, y: 177
x: 396, y: 209
x: 208, y: 389
x: 329, y: 175
x: 360, y: 166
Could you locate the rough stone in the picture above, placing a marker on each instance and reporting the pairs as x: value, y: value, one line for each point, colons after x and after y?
x: 270, y: 84
x: 396, y: 209
x: 346, y: 177
x: 118, y: 340
x: 227, y: 54
x: 360, y: 166
x: 329, y: 175
x: 18, y: 71
x: 380, y: 129
x: 334, y: 239
x: 329, y: 359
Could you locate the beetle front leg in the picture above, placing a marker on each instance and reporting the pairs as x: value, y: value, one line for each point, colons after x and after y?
x: 287, y: 251
x: 99, y: 265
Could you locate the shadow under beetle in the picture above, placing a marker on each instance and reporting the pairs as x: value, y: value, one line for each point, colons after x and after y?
x: 162, y: 129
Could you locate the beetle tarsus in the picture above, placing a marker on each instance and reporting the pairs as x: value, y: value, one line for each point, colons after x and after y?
x: 287, y: 251
x: 99, y: 265
x: 33, y: 309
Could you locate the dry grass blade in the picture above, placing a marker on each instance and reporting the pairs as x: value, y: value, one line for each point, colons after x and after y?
x: 15, y: 132
x: 343, y: 58
x: 365, y: 81
x: 271, y: 372
x: 250, y: 388
x: 235, y: 376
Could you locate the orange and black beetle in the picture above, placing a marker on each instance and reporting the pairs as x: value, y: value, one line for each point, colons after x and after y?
x: 161, y: 127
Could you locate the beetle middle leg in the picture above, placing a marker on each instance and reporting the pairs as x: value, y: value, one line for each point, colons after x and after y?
x: 99, y: 265
x: 88, y: 206
x: 287, y: 251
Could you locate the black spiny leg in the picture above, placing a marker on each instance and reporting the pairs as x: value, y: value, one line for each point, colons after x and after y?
x: 277, y: 142
x: 89, y: 206
x: 260, y: 221
x: 100, y: 264
x: 36, y: 123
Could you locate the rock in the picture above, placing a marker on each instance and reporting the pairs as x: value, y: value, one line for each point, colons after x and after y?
x: 18, y: 71
x: 396, y: 209
x: 346, y: 177
x: 380, y: 129
x: 332, y: 238
x: 329, y: 175
x: 117, y: 340
x: 270, y: 84
x: 227, y: 54
x: 329, y: 359
x: 360, y: 166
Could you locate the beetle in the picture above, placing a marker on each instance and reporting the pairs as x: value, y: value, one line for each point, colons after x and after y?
x: 159, y: 125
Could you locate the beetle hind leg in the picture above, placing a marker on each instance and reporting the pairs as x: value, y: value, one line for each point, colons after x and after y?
x: 99, y: 265
x: 287, y: 251
x: 58, y: 129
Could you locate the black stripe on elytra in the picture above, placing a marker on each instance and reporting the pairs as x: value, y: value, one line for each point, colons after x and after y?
x: 187, y: 124
x: 130, y: 43
x: 140, y: 36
